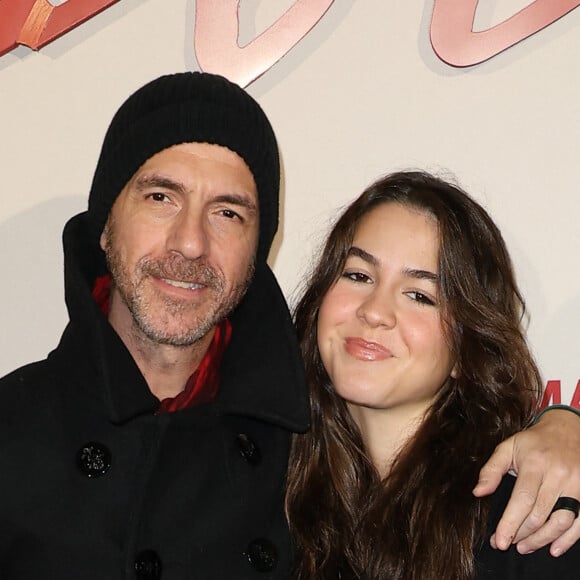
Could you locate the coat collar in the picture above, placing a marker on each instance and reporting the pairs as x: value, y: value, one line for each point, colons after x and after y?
x: 261, y: 375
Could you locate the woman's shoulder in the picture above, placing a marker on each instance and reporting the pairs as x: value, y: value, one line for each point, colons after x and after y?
x: 511, y: 565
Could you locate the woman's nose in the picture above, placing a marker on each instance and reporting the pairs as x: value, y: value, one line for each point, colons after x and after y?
x: 378, y: 310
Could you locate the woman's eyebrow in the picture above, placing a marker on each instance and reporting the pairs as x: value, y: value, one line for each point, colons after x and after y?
x: 360, y: 253
x: 421, y: 274
x: 416, y: 273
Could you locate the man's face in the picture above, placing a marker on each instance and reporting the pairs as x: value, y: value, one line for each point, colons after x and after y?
x: 180, y: 242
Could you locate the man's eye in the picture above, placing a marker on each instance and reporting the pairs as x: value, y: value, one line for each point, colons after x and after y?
x: 158, y: 196
x: 231, y: 214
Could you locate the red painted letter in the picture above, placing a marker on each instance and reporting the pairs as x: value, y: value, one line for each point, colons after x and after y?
x: 68, y: 16
x: 35, y: 23
x: 13, y: 14
x: 552, y: 394
x: 576, y: 397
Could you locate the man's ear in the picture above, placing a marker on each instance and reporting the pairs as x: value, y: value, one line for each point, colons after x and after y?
x: 104, y: 237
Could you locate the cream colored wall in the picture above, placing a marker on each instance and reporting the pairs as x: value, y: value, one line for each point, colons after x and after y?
x: 361, y: 95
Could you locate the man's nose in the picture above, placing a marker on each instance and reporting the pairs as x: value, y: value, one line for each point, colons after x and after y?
x: 189, y: 235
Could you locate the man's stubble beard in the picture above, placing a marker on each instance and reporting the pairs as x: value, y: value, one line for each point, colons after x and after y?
x: 159, y: 318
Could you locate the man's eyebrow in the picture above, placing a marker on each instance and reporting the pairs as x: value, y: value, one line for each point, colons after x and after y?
x: 237, y: 199
x: 155, y: 180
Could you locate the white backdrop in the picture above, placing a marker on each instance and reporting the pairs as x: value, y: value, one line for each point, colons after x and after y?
x: 362, y: 94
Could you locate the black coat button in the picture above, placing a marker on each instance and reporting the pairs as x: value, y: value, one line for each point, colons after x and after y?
x: 248, y: 449
x: 262, y: 555
x: 148, y: 565
x: 93, y: 459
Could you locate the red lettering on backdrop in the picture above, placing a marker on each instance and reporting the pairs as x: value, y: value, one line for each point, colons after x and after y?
x: 553, y: 394
x: 455, y: 42
x: 35, y: 23
x: 216, y: 38
x: 576, y: 397
x: 13, y: 15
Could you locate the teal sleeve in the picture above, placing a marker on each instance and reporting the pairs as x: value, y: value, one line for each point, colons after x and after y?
x: 551, y: 407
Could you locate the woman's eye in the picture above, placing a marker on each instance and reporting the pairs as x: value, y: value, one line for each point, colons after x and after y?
x: 356, y: 277
x: 420, y: 298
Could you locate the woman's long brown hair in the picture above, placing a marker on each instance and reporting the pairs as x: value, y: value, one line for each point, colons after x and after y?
x: 421, y: 522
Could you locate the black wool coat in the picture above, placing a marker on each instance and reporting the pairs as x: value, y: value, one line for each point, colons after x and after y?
x: 95, y: 486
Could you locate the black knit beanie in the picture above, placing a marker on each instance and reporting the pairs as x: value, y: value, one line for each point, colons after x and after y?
x: 190, y: 107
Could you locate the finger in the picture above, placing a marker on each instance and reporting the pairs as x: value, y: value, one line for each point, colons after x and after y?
x: 519, y: 510
x: 550, y: 490
x: 546, y: 496
x: 558, y: 524
x: 567, y: 540
x: 495, y: 468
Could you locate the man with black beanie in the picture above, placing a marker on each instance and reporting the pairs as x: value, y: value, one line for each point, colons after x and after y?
x: 153, y: 441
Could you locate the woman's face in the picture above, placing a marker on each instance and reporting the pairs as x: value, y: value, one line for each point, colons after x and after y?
x: 380, y: 328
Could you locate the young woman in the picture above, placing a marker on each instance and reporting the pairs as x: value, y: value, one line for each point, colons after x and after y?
x: 418, y: 367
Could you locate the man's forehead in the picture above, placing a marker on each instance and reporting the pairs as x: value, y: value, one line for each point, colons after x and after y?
x: 202, y: 151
